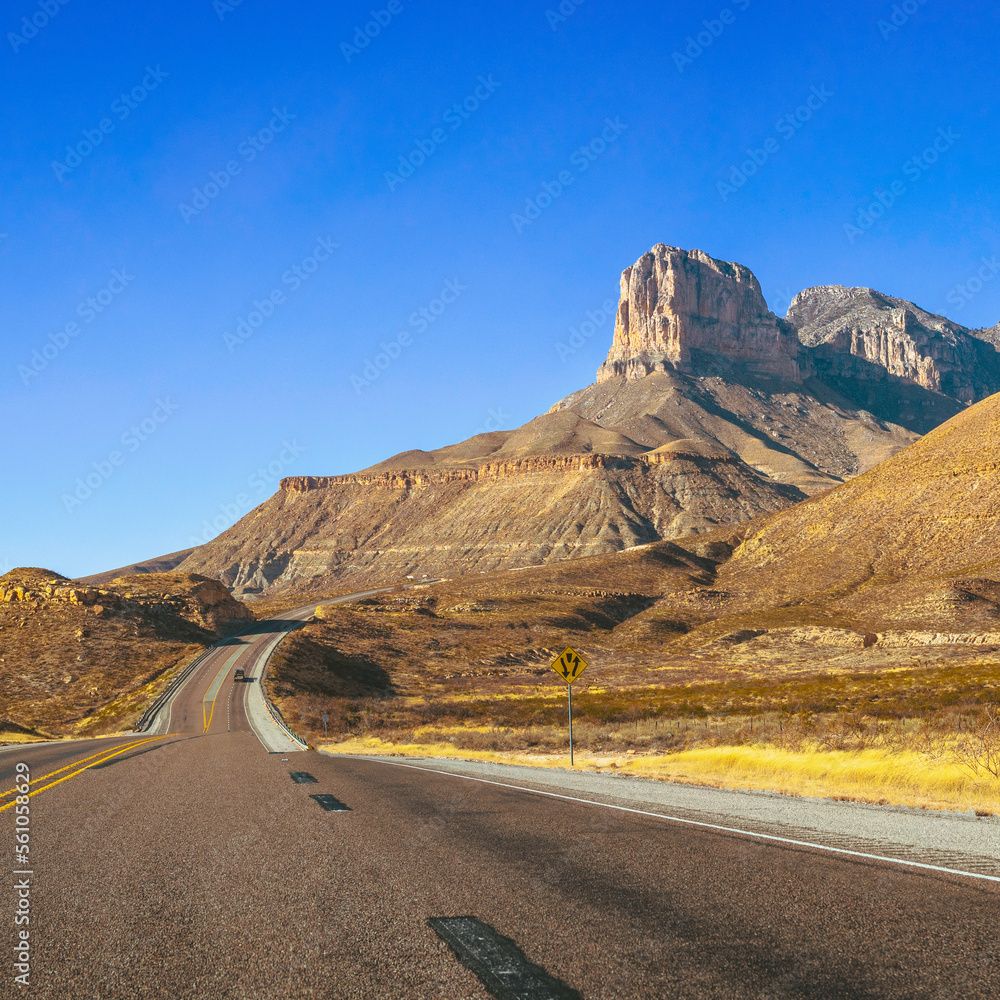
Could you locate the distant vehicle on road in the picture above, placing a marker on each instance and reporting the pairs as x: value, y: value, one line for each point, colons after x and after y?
x: 239, y: 675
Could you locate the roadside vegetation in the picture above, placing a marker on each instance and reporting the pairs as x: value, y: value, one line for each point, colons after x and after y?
x: 461, y: 670
x: 87, y: 661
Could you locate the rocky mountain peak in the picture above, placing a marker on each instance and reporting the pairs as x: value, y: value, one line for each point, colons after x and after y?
x: 865, y: 336
x: 687, y: 312
x: 675, y: 303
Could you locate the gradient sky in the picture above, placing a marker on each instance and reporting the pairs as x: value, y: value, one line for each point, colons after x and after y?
x: 183, y: 424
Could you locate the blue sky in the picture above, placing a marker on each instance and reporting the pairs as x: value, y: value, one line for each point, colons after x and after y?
x: 221, y: 220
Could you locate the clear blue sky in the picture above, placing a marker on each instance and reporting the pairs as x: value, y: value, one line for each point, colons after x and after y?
x: 166, y: 168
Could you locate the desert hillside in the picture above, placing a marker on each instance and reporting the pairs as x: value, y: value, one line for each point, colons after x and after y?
x: 915, y: 538
x: 80, y: 660
x: 866, y: 618
x: 710, y: 410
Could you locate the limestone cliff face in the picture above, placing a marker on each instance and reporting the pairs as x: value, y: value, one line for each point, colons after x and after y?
x: 686, y: 312
x: 863, y: 335
x: 676, y: 302
x: 424, y: 478
x: 525, y: 513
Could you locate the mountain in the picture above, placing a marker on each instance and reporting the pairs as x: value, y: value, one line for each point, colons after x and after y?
x: 914, y: 541
x: 709, y: 410
x: 676, y: 303
x: 890, y: 356
x: 161, y: 564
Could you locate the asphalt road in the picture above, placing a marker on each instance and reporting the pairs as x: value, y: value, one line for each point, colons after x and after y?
x: 191, y: 865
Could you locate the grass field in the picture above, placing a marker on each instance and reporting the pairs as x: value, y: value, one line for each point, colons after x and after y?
x: 932, y: 780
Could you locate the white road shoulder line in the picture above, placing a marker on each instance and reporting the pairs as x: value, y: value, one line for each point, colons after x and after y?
x: 691, y: 822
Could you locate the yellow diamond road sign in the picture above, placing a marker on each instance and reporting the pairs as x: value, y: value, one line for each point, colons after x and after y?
x: 569, y: 664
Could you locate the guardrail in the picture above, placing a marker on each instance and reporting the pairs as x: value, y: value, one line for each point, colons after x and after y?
x: 273, y: 709
x: 150, y: 714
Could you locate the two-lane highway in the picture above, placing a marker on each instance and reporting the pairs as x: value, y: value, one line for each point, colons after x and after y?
x: 196, y: 864
x: 210, y: 700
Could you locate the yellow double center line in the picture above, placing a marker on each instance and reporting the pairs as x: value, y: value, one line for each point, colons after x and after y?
x: 95, y: 759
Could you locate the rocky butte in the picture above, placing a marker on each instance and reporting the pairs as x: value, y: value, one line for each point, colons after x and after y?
x: 709, y: 410
x: 675, y: 304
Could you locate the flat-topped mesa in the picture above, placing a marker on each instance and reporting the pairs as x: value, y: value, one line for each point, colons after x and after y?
x: 677, y: 302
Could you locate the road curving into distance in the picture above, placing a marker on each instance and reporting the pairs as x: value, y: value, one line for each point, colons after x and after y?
x: 203, y: 858
x: 211, y: 701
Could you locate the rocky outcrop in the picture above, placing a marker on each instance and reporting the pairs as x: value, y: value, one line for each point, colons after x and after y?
x: 991, y: 335
x: 861, y: 334
x: 83, y: 661
x: 417, y: 479
x: 675, y: 303
x: 687, y: 312
x: 198, y: 600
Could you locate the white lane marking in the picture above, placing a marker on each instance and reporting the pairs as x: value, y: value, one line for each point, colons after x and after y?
x: 690, y: 822
x: 297, y: 614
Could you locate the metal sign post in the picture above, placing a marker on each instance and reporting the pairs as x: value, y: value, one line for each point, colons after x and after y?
x: 326, y: 719
x: 569, y: 665
x: 569, y: 693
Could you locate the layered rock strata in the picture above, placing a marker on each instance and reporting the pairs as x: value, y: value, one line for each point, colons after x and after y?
x: 675, y: 302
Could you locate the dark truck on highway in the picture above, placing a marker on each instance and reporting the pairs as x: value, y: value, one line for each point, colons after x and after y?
x: 239, y: 675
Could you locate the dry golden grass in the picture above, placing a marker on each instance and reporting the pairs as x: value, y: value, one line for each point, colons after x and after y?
x: 903, y: 778
x: 794, y: 699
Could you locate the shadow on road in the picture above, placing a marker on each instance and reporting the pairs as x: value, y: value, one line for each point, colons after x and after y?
x: 270, y: 626
x: 139, y: 752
